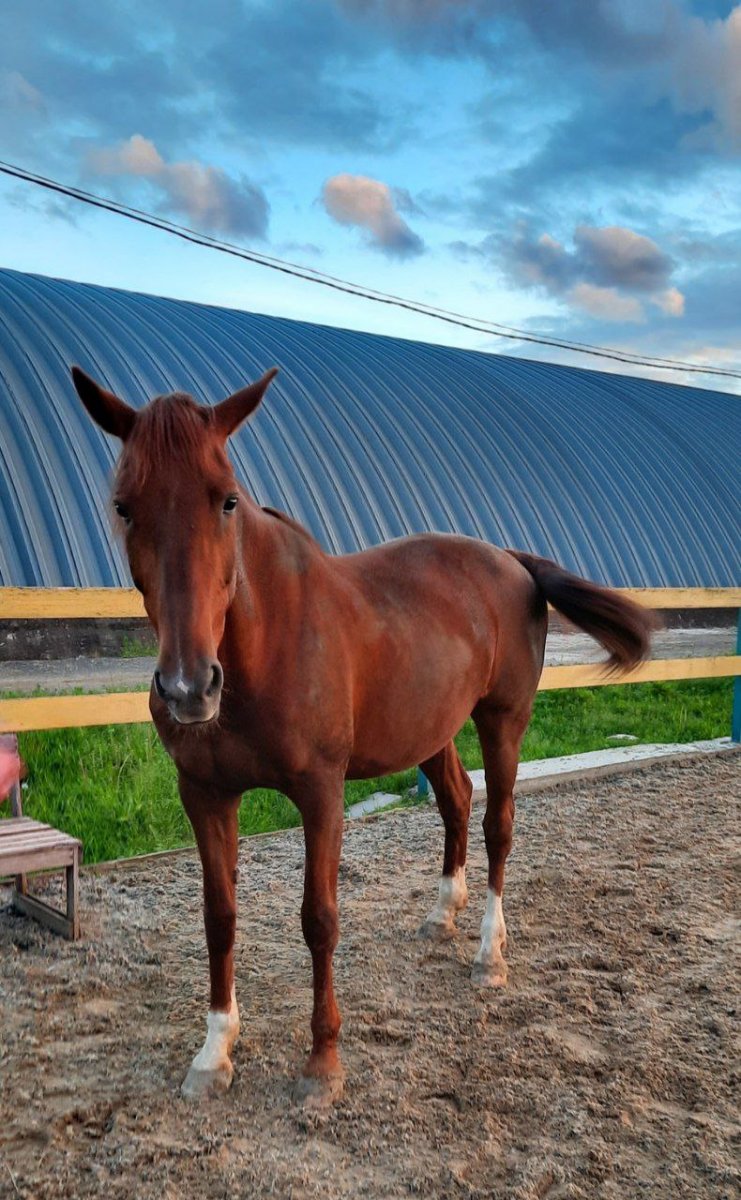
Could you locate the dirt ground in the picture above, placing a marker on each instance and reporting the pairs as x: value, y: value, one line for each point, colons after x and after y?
x: 605, y: 1069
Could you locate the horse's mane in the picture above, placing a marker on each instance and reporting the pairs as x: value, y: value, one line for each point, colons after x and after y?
x: 169, y: 426
x: 289, y: 521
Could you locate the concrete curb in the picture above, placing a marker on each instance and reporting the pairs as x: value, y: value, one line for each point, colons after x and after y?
x: 570, y: 768
x: 596, y: 764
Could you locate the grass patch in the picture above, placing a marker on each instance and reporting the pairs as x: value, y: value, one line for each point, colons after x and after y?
x: 115, y: 788
x: 133, y: 647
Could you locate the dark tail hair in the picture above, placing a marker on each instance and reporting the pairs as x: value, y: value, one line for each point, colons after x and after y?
x: 622, y: 627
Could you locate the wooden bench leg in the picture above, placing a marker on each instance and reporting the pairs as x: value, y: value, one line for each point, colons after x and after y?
x: 67, y: 923
x: 73, y: 898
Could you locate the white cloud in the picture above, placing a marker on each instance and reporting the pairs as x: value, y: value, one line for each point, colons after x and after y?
x: 207, y: 196
x: 369, y: 204
x: 137, y: 156
x: 606, y: 303
x: 670, y: 302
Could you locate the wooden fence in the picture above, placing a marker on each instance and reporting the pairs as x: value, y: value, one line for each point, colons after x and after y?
x: 121, y: 708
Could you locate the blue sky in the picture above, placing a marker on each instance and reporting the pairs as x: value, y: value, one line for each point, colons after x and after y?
x: 571, y: 167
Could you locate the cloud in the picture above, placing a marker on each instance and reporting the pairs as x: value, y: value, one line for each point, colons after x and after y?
x: 137, y: 156
x: 709, y: 334
x: 444, y: 28
x: 628, y: 97
x: 413, y: 11
x: 616, y: 256
x: 327, y: 74
x: 613, y: 33
x: 276, y: 72
x: 608, y: 256
x: 208, y: 197
x: 607, y: 30
x: 45, y: 204
x: 19, y: 93
x: 704, y: 76
x: 606, y: 145
x: 605, y: 303
x: 670, y: 302
x: 369, y: 204
x: 608, y: 271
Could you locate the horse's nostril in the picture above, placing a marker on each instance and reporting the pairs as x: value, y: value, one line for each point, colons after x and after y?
x: 217, y: 678
x: 158, y: 685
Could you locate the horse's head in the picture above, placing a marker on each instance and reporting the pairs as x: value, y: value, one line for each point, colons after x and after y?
x: 177, y: 504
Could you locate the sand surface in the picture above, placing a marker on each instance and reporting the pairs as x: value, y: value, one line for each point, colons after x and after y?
x: 605, y: 1069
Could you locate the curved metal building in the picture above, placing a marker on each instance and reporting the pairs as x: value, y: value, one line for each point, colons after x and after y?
x: 364, y: 438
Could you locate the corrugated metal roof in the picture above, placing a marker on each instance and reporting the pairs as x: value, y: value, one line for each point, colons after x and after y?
x: 364, y: 438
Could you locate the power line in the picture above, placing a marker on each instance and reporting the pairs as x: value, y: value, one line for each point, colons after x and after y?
x: 311, y: 275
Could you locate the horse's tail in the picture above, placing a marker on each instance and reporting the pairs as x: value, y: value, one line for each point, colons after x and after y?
x: 622, y: 627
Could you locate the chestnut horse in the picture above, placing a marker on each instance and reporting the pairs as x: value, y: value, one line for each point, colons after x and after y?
x: 282, y: 666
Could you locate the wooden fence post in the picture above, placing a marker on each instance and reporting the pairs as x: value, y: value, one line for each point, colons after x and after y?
x: 736, y: 712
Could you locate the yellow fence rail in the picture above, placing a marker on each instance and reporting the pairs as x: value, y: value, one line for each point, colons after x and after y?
x: 125, y: 708
x: 35, y: 604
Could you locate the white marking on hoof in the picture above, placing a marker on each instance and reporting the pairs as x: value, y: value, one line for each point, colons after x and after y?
x: 489, y: 968
x: 211, y: 1071
x: 452, y: 897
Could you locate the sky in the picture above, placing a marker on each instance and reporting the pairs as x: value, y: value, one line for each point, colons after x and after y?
x: 569, y: 167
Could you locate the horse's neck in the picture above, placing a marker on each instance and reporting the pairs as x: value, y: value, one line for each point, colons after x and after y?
x: 276, y: 557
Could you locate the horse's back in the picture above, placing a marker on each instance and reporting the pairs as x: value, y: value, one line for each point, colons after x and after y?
x: 453, y: 577
x: 442, y: 561
x: 444, y: 617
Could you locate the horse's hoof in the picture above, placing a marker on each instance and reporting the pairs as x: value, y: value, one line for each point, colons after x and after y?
x: 201, y: 1085
x: 437, y: 931
x: 318, y: 1092
x: 491, y: 975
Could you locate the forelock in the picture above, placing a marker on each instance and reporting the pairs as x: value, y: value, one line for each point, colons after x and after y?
x: 169, y: 430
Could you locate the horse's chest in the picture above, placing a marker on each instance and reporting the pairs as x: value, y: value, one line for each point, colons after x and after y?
x: 246, y: 749
x: 226, y: 762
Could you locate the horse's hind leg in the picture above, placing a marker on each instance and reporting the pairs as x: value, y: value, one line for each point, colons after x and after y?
x: 452, y: 788
x: 500, y: 733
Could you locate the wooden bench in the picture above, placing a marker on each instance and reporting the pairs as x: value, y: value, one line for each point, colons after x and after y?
x: 27, y: 845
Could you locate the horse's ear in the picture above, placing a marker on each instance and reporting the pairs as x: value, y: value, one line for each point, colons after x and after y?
x: 230, y: 414
x: 106, y: 409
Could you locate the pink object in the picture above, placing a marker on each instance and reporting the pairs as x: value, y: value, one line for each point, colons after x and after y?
x: 10, y: 765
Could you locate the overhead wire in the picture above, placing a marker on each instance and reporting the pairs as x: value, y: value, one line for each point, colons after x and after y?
x: 312, y: 275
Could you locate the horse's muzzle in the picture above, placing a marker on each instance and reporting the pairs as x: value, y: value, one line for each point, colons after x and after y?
x: 191, y: 701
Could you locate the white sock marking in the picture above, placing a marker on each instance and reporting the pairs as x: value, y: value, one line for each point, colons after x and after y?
x: 223, y: 1028
x: 452, y: 896
x: 493, y: 930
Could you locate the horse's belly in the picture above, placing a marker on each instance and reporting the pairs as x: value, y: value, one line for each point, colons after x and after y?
x: 414, y: 709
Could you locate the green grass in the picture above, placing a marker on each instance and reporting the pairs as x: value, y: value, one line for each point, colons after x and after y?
x: 114, y: 787
x: 133, y: 647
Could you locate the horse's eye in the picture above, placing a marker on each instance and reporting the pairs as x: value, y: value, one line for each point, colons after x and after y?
x: 122, y: 511
x: 230, y: 503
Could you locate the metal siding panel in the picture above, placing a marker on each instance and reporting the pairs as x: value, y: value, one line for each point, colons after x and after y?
x: 363, y: 438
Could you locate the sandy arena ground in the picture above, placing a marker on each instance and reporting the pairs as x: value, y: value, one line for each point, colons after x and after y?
x: 605, y: 1069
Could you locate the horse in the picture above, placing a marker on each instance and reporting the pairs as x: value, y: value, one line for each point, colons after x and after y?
x: 283, y: 666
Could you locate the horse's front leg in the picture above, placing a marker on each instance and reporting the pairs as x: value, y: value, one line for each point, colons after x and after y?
x: 322, y: 809
x: 214, y: 821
